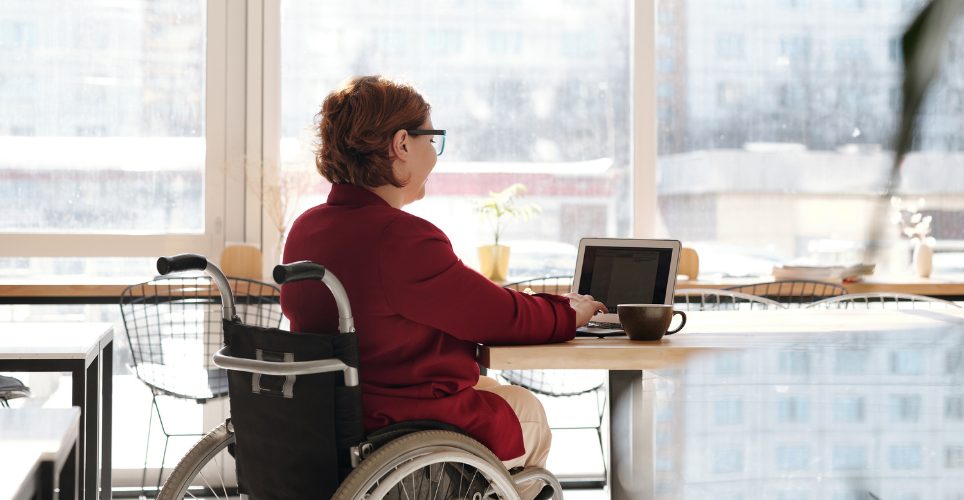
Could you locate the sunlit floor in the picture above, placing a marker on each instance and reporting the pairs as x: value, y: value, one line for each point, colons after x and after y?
x: 575, y: 453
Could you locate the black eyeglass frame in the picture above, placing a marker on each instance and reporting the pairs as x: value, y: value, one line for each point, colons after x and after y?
x: 430, y: 132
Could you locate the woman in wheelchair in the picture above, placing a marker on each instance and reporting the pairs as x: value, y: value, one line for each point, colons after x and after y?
x: 420, y: 312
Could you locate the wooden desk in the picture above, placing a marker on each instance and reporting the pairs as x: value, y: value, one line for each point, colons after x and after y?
x: 936, y: 286
x: 40, y: 450
x: 86, y: 351
x: 107, y: 291
x: 758, y: 358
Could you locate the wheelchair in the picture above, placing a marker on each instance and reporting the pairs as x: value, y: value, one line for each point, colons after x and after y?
x: 295, y: 429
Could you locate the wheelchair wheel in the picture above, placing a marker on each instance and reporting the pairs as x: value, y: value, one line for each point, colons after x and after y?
x: 191, y: 465
x: 429, y: 465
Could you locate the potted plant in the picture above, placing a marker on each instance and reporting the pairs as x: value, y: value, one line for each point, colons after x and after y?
x: 498, y: 210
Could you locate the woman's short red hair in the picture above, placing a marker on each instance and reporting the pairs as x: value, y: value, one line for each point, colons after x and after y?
x: 356, y: 126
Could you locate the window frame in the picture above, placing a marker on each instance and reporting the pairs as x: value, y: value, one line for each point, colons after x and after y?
x: 243, y: 130
x: 234, y: 138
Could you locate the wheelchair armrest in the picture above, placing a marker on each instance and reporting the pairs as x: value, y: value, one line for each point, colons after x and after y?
x: 224, y: 360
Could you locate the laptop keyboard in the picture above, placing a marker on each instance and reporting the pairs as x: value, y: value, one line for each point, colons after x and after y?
x: 603, y: 324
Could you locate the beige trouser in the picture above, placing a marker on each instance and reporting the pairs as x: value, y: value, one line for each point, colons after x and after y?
x: 536, y: 435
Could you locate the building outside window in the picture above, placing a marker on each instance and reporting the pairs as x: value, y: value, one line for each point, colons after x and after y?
x: 728, y: 460
x: 845, y: 457
x: 954, y: 457
x: 849, y: 362
x: 728, y: 411
x: 793, y: 362
x: 793, y: 409
x: 848, y: 409
x: 906, y: 362
x: 904, y: 456
x: 777, y: 157
x: 954, y: 408
x: 792, y: 457
x: 905, y: 408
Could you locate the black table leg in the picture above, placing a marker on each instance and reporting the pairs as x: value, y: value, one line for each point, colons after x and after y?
x: 631, y: 414
x: 69, y: 474
x: 91, y: 422
x: 79, y: 384
x: 107, y: 397
x: 45, y: 490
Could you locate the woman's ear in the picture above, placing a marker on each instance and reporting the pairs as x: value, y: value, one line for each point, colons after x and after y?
x: 399, y: 147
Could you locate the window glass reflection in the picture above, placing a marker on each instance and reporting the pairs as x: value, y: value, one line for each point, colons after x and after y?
x: 905, y: 408
x: 848, y: 457
x: 848, y: 409
x: 906, y: 362
x: 850, y: 362
x: 793, y: 409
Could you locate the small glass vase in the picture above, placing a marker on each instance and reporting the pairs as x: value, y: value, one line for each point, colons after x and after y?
x: 924, y: 256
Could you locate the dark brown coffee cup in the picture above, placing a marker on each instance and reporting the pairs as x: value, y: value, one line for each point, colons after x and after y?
x: 648, y: 321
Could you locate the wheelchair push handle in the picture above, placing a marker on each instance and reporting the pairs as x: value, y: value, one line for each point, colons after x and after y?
x: 307, y: 270
x: 181, y: 263
x: 194, y: 262
x: 298, y: 271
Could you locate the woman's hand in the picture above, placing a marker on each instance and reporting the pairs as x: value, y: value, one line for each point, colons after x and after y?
x: 585, y: 307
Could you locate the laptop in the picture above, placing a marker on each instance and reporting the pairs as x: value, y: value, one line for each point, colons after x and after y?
x: 624, y: 271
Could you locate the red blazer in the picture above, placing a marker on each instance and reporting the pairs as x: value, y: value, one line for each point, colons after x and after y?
x: 419, y: 312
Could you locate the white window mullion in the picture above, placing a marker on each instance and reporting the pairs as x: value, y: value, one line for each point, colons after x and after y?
x: 271, y: 128
x: 644, y: 118
x: 235, y: 181
x: 215, y: 131
x: 253, y: 119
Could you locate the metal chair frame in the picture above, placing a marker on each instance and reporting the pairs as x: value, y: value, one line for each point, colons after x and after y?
x: 865, y: 301
x: 186, y: 312
x: 793, y: 293
x: 11, y: 388
x: 722, y: 300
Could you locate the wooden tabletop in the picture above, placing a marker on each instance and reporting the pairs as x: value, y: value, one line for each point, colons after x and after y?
x: 53, y: 340
x: 730, y: 330
x: 951, y: 284
x: 74, y: 287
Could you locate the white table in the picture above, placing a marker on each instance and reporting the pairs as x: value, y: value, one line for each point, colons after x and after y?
x: 86, y: 351
x: 761, y: 357
x: 40, y: 450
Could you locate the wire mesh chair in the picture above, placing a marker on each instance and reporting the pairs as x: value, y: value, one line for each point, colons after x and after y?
x: 11, y: 388
x: 882, y: 300
x: 559, y: 383
x: 557, y: 285
x: 700, y: 299
x: 174, y: 328
x: 792, y: 293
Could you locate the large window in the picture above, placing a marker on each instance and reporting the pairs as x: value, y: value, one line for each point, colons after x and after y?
x: 775, y: 133
x: 529, y: 93
x: 102, y: 116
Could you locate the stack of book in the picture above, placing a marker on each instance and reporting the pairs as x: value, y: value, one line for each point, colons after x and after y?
x: 822, y: 273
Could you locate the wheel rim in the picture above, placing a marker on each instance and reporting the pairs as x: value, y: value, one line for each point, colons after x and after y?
x: 437, y: 465
x: 186, y: 485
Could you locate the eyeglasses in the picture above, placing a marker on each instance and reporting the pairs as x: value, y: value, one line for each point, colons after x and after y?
x: 438, y: 144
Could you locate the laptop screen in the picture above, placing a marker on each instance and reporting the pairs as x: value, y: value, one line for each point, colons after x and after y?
x: 625, y: 275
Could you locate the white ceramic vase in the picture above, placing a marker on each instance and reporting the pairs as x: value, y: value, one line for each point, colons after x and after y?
x: 924, y: 256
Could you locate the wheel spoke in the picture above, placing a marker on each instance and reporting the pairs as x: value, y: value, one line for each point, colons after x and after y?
x: 461, y: 477
x: 224, y: 488
x: 208, y: 485
x: 438, y: 486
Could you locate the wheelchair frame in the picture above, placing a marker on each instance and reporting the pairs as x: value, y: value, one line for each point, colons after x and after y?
x: 411, y: 446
